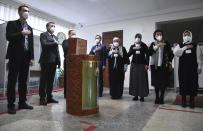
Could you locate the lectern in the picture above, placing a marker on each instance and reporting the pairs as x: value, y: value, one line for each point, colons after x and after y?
x: 82, y: 79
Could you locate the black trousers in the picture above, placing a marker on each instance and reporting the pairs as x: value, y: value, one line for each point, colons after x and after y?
x: 17, y: 69
x: 46, y: 80
x: 160, y: 89
x: 100, y: 80
x: 65, y: 77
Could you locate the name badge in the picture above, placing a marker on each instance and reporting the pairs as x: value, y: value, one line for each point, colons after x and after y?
x: 137, y: 52
x: 188, y: 51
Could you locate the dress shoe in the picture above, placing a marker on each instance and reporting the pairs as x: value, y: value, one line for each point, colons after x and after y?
x: 52, y: 101
x: 135, y: 98
x: 25, y: 106
x: 142, y: 99
x: 11, y: 110
x: 100, y: 95
x: 43, y: 102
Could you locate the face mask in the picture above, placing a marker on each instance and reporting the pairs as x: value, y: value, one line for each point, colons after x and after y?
x: 97, y: 41
x: 137, y: 40
x: 73, y: 36
x: 52, y: 29
x: 159, y: 38
x: 115, y: 55
x: 115, y: 44
x: 25, y: 15
x: 187, y: 39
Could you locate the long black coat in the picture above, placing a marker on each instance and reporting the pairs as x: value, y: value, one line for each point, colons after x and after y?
x: 117, y: 75
x: 187, y: 72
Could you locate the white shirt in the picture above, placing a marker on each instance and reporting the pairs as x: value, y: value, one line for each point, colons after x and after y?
x: 157, y: 58
x: 179, y: 52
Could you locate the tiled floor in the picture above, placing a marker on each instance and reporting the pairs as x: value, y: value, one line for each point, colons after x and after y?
x: 114, y: 115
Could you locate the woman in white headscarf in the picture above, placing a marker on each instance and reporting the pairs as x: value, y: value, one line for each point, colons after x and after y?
x: 161, y: 57
x: 188, y: 68
x: 118, y: 61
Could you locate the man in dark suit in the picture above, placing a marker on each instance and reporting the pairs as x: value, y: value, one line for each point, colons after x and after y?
x: 100, y: 50
x: 49, y: 59
x: 71, y: 34
x: 20, y: 53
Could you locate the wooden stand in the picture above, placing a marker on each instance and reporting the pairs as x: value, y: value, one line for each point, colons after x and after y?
x: 77, y: 46
x: 82, y: 74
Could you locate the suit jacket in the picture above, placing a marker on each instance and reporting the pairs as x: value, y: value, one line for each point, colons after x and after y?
x: 101, y: 53
x: 50, y: 51
x: 16, y: 40
x: 65, y: 48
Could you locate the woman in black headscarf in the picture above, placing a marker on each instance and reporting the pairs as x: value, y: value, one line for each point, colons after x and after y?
x: 138, y: 71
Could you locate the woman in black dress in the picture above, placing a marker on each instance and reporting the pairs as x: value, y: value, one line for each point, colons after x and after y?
x: 161, y: 57
x: 188, y: 68
x: 138, y: 71
x: 118, y: 61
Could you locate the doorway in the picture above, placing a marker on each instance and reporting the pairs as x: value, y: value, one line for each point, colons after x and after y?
x: 173, y: 32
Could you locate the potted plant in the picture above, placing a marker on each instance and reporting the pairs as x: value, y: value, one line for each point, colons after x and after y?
x: 61, y: 77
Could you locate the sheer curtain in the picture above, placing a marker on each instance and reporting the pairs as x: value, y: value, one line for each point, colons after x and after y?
x: 38, y: 23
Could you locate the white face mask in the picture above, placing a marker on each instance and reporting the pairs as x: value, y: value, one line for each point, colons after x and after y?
x: 115, y: 44
x: 187, y: 39
x: 159, y: 38
x: 115, y: 55
x: 137, y: 40
x: 25, y: 15
x: 52, y: 30
x: 73, y: 36
x: 97, y: 41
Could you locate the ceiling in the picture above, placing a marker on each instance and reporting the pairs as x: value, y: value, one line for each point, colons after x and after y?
x: 92, y: 12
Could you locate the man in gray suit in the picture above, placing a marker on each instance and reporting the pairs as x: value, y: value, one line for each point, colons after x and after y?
x: 49, y: 59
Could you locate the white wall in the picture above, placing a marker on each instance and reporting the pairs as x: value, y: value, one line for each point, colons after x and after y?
x: 145, y: 26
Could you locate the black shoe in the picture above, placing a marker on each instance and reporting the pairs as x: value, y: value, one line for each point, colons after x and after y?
x: 52, y: 101
x: 11, y: 110
x: 25, y: 106
x: 100, y: 95
x: 142, y: 99
x: 43, y: 102
x: 135, y: 98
